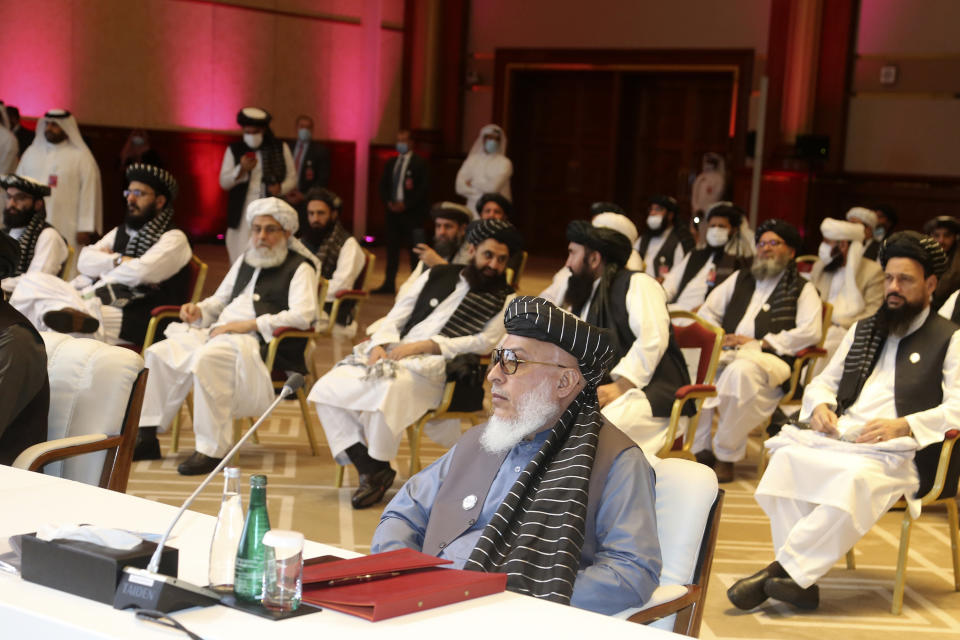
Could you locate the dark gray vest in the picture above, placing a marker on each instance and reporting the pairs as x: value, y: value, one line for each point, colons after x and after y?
x: 440, y: 283
x: 473, y: 470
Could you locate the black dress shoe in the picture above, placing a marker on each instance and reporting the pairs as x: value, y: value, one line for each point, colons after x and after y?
x: 748, y: 592
x: 705, y: 457
x: 786, y: 590
x: 372, y: 488
x: 198, y: 464
x: 147, y: 449
x: 69, y: 320
x: 384, y: 289
x: 724, y: 471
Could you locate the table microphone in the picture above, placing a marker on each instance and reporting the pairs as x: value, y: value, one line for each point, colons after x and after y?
x: 147, y: 589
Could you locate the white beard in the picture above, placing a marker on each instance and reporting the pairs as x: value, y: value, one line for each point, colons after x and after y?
x: 265, y: 257
x: 502, y: 434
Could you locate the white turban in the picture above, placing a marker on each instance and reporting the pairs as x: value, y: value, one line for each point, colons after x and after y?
x: 864, y: 215
x: 278, y: 209
x: 616, y: 222
x: 838, y: 230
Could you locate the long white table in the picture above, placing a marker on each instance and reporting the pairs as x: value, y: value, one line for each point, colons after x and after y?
x: 27, y: 610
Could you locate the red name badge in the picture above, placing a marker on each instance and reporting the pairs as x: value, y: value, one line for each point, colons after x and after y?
x: 52, y: 180
x: 663, y: 270
x: 408, y: 184
x: 712, y: 277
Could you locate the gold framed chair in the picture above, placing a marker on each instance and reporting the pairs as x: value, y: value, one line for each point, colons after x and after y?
x: 805, y: 264
x: 69, y: 265
x: 359, y: 293
x: 198, y: 276
x: 513, y: 277
x: 708, y: 339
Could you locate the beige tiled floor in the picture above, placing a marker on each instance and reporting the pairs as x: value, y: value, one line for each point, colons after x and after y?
x: 302, y: 496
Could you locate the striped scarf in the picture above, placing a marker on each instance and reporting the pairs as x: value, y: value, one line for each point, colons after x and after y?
x: 783, y: 299
x: 150, y: 233
x: 537, y: 534
x: 865, y: 349
x: 474, y: 311
x: 28, y: 240
x: 329, y: 250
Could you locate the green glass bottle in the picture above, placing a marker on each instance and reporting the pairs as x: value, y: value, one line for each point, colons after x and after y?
x: 248, y: 582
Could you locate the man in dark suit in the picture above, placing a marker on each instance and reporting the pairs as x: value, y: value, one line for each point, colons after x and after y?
x: 312, y: 161
x: 24, y: 136
x: 403, y: 188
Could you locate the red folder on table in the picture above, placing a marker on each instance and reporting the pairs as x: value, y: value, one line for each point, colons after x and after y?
x: 385, y: 585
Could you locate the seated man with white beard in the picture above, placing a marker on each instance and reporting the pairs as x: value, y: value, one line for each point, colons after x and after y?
x: 218, y: 349
x: 601, y: 553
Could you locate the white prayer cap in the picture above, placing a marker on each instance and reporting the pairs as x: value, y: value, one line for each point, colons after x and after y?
x: 616, y: 222
x: 864, y: 215
x: 276, y: 208
x: 833, y: 229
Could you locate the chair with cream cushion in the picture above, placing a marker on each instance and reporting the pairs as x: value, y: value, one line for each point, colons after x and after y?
x: 96, y: 391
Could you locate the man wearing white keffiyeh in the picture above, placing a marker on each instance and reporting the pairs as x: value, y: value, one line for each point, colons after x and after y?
x: 547, y: 491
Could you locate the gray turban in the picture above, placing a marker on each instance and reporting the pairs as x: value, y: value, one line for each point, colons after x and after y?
x: 531, y: 317
x: 916, y: 246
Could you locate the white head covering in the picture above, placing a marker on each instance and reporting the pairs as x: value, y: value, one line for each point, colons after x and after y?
x: 849, y: 303
x: 477, y: 148
x: 4, y: 118
x: 278, y: 209
x: 864, y: 215
x: 622, y: 224
x: 67, y: 122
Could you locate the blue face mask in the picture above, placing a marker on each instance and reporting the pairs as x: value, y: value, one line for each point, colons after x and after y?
x: 490, y: 145
x: 879, y: 233
x: 402, y: 148
x: 303, y: 134
x: 137, y: 140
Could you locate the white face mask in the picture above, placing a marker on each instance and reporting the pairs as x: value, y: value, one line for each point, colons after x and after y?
x: 253, y: 140
x: 825, y: 252
x: 654, y: 222
x: 717, y: 236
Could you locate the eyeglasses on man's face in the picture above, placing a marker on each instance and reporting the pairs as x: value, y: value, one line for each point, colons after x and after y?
x: 509, y: 362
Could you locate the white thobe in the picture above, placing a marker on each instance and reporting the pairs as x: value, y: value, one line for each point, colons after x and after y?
x: 74, y: 204
x: 651, y: 268
x: 821, y: 494
x: 947, y: 309
x: 487, y: 173
x: 49, y: 254
x: 745, y: 397
x: 376, y: 411
x: 226, y: 373
x: 38, y: 293
x: 696, y: 290
x: 9, y: 150
x: 237, y: 239
x: 350, y: 263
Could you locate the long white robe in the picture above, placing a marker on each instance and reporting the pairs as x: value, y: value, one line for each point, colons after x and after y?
x: 821, y: 494
x: 484, y: 172
x: 37, y: 293
x: 226, y: 373
x: 238, y: 238
x: 49, y: 254
x: 376, y: 411
x: 74, y: 204
x: 653, y: 248
x: 9, y: 148
x: 696, y: 290
x: 745, y: 396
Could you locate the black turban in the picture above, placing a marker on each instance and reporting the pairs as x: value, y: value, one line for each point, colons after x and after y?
x: 787, y: 232
x: 253, y: 117
x: 161, y: 180
x: 916, y: 246
x: 499, y: 199
x: 606, y: 207
x: 668, y: 203
x: 324, y: 195
x: 612, y: 245
x: 451, y: 211
x: 27, y: 185
x: 727, y: 210
x: 949, y: 223
x: 531, y: 317
x: 499, y: 230
x: 9, y: 255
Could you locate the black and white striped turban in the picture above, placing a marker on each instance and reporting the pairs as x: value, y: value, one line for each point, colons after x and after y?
x: 916, y: 246
x: 25, y: 184
x: 532, y: 317
x: 161, y: 180
x: 499, y: 230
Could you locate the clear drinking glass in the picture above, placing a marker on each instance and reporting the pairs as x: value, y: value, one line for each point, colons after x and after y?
x: 283, y: 571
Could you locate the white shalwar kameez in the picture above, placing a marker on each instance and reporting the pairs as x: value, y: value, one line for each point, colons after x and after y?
x: 49, y: 254
x: 9, y: 148
x: 69, y: 169
x: 822, y: 494
x: 485, y: 172
x: 694, y: 294
x: 38, y: 293
x: 376, y: 411
x: 653, y: 248
x: 745, y: 395
x: 226, y: 373
x: 238, y: 239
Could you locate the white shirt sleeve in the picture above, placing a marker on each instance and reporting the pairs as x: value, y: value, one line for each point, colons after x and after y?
x: 947, y: 309
x: 212, y: 306
x: 349, y: 265
x: 671, y: 284
x: 160, y: 262
x: 392, y: 323
x: 466, y: 173
x: 301, y: 305
x: 98, y: 258
x: 90, y: 209
x: 230, y: 172
x: 290, y: 178
x: 416, y: 273
x: 479, y: 343
x: 716, y: 303
x: 823, y: 388
x: 650, y: 323
x: 49, y: 253
x: 809, y: 324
